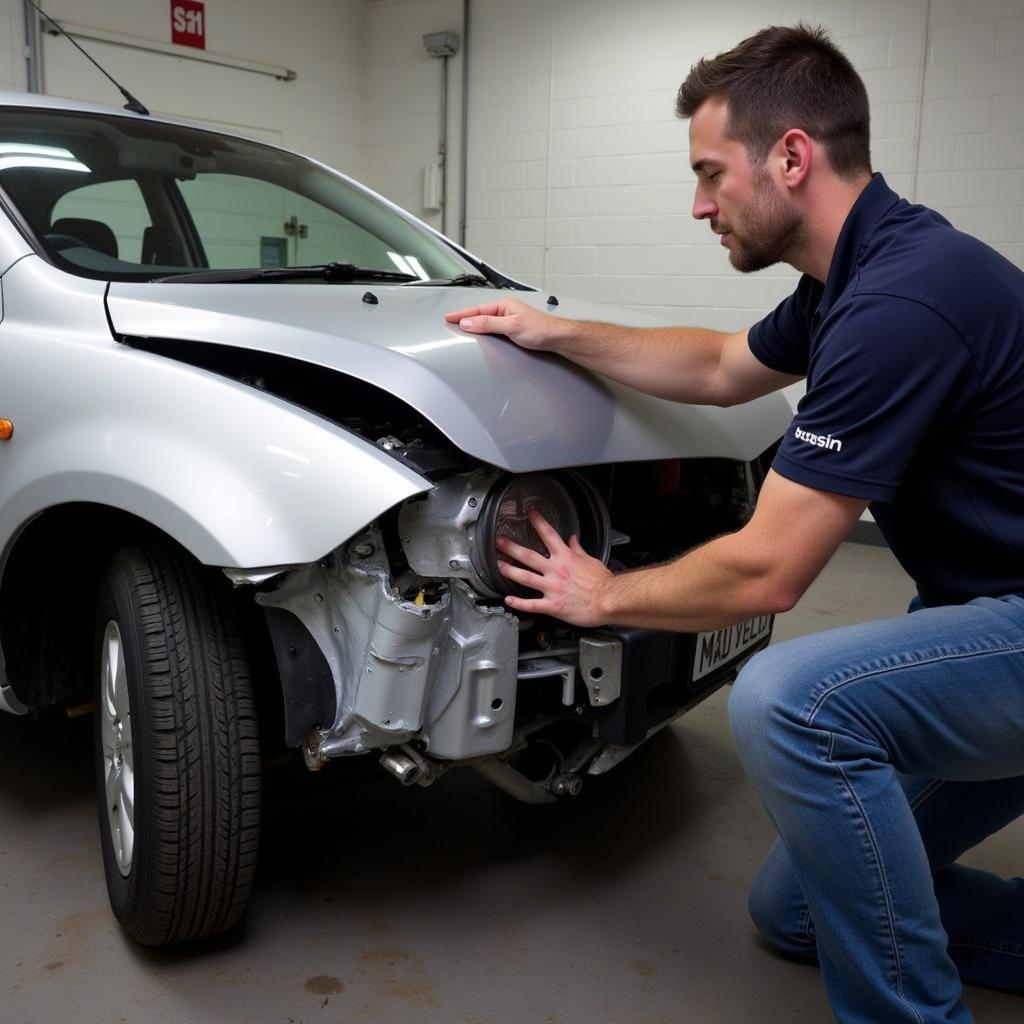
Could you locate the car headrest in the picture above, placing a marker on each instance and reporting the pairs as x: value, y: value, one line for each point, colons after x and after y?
x: 160, y: 245
x: 94, y: 234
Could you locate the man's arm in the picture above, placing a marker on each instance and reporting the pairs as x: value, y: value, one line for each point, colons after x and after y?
x: 763, y: 568
x: 685, y: 364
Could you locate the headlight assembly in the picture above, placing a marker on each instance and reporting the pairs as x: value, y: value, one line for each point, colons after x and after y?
x: 565, y: 501
x: 451, y: 530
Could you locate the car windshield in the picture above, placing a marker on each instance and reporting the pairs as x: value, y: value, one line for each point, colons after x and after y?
x: 122, y: 198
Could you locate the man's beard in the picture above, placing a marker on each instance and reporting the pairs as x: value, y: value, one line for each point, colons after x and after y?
x: 772, y: 229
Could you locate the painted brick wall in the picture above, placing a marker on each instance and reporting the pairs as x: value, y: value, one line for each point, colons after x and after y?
x: 579, y: 178
x: 12, y: 33
x: 403, y: 102
x: 320, y: 113
x: 972, y: 120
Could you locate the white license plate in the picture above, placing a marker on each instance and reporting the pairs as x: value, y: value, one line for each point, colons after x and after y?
x: 724, y: 645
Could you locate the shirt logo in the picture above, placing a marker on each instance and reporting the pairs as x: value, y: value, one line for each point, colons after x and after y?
x: 829, y: 442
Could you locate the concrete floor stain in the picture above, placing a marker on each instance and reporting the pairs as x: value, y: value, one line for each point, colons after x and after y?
x: 324, y: 985
x: 644, y: 968
x: 408, y: 983
x: 374, y: 922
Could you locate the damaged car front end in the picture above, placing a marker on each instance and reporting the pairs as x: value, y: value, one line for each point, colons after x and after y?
x: 415, y: 656
x: 279, y: 476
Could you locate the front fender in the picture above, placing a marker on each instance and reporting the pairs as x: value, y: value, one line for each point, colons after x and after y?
x: 239, y: 477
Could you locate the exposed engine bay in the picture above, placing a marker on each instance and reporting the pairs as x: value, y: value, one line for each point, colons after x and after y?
x: 399, y: 641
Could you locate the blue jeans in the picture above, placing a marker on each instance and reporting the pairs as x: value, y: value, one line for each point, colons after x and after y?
x: 882, y: 752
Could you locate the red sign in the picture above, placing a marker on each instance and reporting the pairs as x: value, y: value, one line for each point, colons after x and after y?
x: 188, y: 23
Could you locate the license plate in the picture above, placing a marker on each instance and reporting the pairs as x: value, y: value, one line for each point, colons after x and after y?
x: 724, y: 645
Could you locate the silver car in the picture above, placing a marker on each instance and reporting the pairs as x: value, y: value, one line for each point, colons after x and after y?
x: 250, y: 484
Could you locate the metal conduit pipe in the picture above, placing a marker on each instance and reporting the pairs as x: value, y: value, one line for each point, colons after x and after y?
x: 444, y: 148
x: 464, y: 141
x: 443, y: 45
x: 32, y: 78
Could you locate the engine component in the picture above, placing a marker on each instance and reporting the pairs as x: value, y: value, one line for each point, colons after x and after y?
x: 379, y: 647
x: 472, y: 707
x: 444, y: 672
x: 403, y: 767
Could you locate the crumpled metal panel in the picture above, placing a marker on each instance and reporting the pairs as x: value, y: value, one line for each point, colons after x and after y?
x: 443, y: 673
x: 380, y: 648
x: 472, y: 708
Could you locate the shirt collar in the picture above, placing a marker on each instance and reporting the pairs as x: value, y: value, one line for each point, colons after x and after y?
x: 876, y: 200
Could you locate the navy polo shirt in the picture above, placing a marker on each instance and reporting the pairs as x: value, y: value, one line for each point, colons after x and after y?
x: 913, y: 351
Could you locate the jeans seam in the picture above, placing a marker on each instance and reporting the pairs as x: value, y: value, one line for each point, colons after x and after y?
x: 927, y: 793
x: 886, y: 896
x: 867, y: 674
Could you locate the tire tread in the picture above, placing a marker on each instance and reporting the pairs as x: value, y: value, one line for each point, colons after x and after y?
x: 204, y: 767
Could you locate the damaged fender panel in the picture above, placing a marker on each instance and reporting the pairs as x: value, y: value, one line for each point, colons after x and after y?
x: 238, y: 477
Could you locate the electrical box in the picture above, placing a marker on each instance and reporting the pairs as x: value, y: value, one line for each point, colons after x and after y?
x: 441, y: 44
x: 432, y: 198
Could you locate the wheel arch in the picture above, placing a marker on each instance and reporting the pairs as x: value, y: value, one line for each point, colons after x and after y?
x: 51, y: 575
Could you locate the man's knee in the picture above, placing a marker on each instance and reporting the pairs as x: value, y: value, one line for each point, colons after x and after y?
x: 777, y: 908
x: 759, y: 704
x: 794, y: 938
x: 748, y: 700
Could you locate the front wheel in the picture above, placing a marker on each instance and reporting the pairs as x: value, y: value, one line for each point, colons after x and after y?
x: 177, y: 750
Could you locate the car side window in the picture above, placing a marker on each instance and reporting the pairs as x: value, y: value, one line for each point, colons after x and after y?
x: 109, y: 216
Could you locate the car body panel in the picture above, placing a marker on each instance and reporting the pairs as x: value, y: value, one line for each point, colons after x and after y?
x: 12, y: 246
x: 521, y: 411
x: 98, y: 421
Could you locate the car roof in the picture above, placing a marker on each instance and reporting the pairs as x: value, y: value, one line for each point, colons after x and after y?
x: 23, y: 100
x: 37, y: 99
x: 44, y: 102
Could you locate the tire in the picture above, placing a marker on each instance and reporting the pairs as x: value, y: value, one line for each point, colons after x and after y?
x: 177, y: 749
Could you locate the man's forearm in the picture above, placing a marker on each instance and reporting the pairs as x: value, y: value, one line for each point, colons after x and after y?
x: 718, y: 584
x: 760, y: 569
x: 679, y: 363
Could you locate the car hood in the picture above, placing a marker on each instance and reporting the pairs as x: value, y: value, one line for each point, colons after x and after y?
x: 515, y: 409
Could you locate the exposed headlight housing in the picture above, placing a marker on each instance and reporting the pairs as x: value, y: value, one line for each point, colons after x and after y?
x: 451, y: 530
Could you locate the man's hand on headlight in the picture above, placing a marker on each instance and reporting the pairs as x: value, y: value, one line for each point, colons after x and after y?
x: 570, y: 581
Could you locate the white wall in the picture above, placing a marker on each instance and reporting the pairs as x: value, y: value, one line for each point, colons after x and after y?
x: 12, y: 62
x: 579, y: 177
x: 403, y: 102
x: 320, y: 113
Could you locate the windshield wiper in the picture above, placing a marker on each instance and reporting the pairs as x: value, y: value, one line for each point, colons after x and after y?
x: 458, y: 281
x: 343, y: 272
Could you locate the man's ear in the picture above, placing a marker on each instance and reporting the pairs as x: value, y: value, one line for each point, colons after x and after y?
x: 795, y: 151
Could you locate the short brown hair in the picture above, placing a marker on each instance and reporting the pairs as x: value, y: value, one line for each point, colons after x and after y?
x: 784, y: 78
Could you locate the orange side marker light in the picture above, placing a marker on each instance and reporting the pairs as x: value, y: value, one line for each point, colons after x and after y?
x: 6, y: 430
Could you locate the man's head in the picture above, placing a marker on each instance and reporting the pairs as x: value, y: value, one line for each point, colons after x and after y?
x: 787, y: 78
x: 760, y: 113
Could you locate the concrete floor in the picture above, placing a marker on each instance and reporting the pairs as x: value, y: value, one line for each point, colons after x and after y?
x: 376, y: 904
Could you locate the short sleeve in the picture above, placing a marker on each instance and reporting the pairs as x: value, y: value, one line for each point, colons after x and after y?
x: 887, y: 375
x: 781, y: 341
